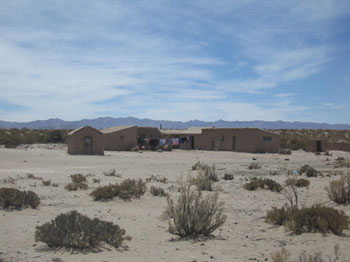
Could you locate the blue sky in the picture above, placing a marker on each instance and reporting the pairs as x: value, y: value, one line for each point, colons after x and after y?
x: 175, y: 60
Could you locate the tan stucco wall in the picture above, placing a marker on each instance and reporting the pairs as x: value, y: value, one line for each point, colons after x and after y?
x: 121, y: 140
x: 75, y: 141
x: 311, y: 145
x: 247, y: 140
x: 148, y: 132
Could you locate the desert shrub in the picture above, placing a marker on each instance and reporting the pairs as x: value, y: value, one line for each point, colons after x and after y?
x: 228, y: 177
x: 309, y: 219
x: 209, y: 171
x: 272, y: 185
x: 158, y: 191
x: 197, y: 165
x: 78, y: 178
x: 254, y: 165
x: 339, y: 190
x: 94, y: 180
x: 252, y: 185
x: 192, y: 215
x: 318, y: 219
x: 111, y: 172
x: 126, y: 190
x: 76, y: 186
x: 285, y: 151
x: 278, y: 216
x: 46, y: 182
x: 281, y: 256
x: 14, y: 198
x: 264, y: 183
x: 77, y: 231
x: 309, y: 171
x: 298, y: 182
x: 157, y: 178
x: 341, y: 162
x: 32, y: 176
x: 202, y: 182
x: 105, y: 193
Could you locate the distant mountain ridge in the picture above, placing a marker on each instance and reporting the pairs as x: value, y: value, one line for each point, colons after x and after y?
x: 105, y: 122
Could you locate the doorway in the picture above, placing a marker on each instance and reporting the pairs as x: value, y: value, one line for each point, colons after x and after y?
x: 87, y: 145
x: 233, y: 143
x: 318, y: 146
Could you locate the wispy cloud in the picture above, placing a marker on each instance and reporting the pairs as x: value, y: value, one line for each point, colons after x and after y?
x: 212, y: 58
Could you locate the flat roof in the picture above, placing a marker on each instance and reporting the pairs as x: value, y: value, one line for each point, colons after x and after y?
x: 115, y: 129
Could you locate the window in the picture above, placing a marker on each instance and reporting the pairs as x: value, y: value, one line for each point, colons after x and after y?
x: 267, y: 138
x: 121, y: 137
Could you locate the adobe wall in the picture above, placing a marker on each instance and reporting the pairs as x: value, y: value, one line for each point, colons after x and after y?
x: 247, y: 140
x: 75, y: 141
x: 311, y: 145
x: 148, y: 132
x: 121, y: 140
x: 341, y: 146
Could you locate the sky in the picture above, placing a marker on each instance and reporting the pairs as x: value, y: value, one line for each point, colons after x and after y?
x: 175, y: 60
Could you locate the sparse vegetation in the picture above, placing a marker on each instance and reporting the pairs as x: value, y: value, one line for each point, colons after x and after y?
x: 301, y: 182
x: 254, y: 165
x: 309, y: 171
x: 76, y: 186
x: 158, y: 191
x: 157, y: 178
x: 77, y: 231
x: 264, y: 183
x: 14, y: 198
x: 339, y: 190
x: 192, y: 215
x: 111, y: 172
x: 228, y: 177
x: 202, y: 182
x: 126, y: 190
x: 341, y: 162
x: 46, y: 182
x: 309, y: 219
x: 78, y: 178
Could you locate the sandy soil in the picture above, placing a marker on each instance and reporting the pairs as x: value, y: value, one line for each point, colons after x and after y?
x: 244, y: 237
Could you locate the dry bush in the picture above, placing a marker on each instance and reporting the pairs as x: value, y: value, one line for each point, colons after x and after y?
x: 228, y: 177
x: 309, y: 171
x: 278, y: 216
x: 209, y: 171
x: 76, y: 186
x: 192, y: 215
x: 14, y: 198
x: 94, y: 180
x: 264, y: 183
x: 252, y: 185
x: 339, y: 190
x: 341, y: 162
x: 285, y: 151
x: 254, y: 165
x: 158, y: 191
x: 78, y: 178
x: 309, y: 219
x: 126, y: 190
x: 301, y: 182
x: 281, y: 256
x: 157, y: 178
x: 32, y: 176
x: 111, y: 172
x: 202, y: 182
x: 74, y: 230
x: 46, y: 182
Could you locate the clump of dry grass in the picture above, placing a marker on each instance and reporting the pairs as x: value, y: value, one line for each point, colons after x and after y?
x: 78, y: 178
x: 309, y: 171
x: 341, y: 162
x: 192, y: 215
x: 111, y: 172
x: 254, y: 165
x: 126, y: 190
x: 339, y: 190
x: 158, y: 191
x: 157, y: 178
x: 74, y: 230
x: 264, y: 183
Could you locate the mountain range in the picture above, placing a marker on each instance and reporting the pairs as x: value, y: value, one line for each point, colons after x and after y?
x: 105, y: 122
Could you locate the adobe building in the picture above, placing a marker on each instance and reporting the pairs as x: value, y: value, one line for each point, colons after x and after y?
x: 322, y: 145
x: 85, y: 141
x: 250, y: 140
x: 148, y: 132
x: 190, y: 134
x: 120, y: 138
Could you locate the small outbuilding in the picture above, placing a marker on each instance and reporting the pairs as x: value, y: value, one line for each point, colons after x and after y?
x: 120, y: 138
x: 317, y: 145
x: 85, y: 141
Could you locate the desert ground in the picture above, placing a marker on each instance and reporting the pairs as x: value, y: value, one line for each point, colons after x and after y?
x: 244, y: 237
